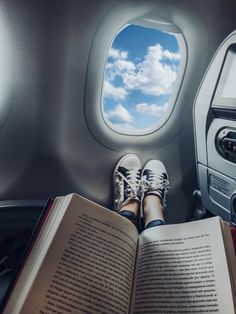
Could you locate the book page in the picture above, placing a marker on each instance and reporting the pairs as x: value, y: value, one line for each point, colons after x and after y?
x: 89, y: 266
x: 182, y: 269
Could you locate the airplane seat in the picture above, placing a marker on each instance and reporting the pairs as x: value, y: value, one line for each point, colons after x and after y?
x: 215, y: 133
x: 17, y: 222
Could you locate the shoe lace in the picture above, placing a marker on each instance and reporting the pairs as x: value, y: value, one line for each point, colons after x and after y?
x: 132, y: 179
x: 154, y: 181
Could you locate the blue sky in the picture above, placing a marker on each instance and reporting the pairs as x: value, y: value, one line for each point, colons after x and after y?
x: 140, y: 73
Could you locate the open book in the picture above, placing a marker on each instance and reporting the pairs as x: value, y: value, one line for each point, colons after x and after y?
x: 87, y: 259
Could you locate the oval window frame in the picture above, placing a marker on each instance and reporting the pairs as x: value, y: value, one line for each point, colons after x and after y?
x: 109, y: 27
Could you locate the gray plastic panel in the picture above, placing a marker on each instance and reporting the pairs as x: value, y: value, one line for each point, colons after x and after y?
x: 216, y: 175
x: 212, y: 197
x: 202, y: 112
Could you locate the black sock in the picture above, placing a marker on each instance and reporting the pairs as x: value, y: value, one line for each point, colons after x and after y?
x: 154, y: 223
x: 130, y: 216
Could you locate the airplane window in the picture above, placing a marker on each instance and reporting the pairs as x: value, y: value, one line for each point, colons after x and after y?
x: 141, y: 70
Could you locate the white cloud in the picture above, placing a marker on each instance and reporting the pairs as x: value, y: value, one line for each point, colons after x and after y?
x: 172, y: 56
x: 124, y: 126
x: 117, y: 54
x: 119, y: 67
x: 119, y: 114
x: 152, y: 76
x: 151, y: 109
x: 123, y: 66
x: 109, y: 90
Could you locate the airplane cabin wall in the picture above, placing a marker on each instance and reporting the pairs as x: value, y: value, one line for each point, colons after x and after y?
x: 47, y: 146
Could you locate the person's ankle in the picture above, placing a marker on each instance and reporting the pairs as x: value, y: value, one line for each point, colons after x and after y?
x: 152, y: 208
x: 150, y: 216
x: 151, y: 199
x: 130, y: 211
x: 132, y: 206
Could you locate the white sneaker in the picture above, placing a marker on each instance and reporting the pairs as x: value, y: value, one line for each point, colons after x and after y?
x: 126, y: 180
x: 154, y: 180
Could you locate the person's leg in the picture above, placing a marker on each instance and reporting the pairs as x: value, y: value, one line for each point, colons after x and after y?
x: 155, y: 185
x: 126, y: 179
x: 153, y: 209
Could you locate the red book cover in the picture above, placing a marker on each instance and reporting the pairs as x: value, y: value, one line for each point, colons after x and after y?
x: 233, y: 232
